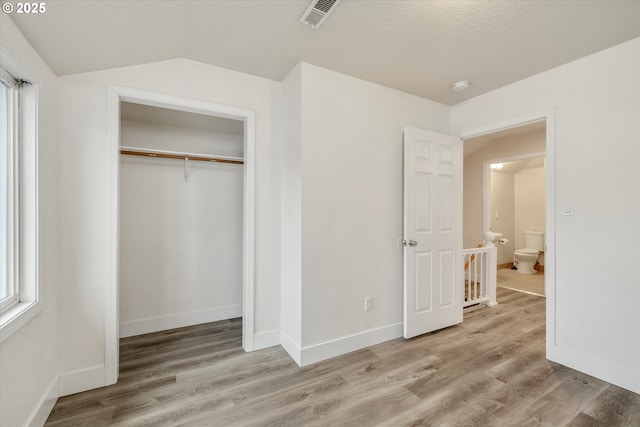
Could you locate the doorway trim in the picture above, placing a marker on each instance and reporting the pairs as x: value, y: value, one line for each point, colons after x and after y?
x: 550, y: 201
x: 486, y: 183
x: 117, y: 94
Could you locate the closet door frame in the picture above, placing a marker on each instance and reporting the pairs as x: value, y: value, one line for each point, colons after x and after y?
x: 117, y: 94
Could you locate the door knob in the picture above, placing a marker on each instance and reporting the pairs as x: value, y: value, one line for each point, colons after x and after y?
x: 411, y: 243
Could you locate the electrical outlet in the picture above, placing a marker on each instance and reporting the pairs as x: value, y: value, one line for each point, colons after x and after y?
x: 368, y: 304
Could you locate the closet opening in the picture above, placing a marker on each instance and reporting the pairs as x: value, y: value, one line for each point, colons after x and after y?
x: 181, y: 187
x: 182, y: 234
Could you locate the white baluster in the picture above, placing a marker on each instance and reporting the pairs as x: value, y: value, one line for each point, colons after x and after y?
x: 483, y: 277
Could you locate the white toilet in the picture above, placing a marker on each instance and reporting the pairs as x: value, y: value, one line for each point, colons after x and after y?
x: 525, y: 258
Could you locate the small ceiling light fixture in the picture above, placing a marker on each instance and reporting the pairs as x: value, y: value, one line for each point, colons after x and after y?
x: 460, y: 85
x: 497, y: 166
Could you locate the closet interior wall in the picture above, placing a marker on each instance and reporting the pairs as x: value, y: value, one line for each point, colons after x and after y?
x: 180, y: 240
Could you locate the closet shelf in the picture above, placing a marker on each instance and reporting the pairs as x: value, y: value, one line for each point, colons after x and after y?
x: 132, y: 151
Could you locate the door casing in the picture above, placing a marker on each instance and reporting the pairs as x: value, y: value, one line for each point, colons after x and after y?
x: 550, y: 195
x: 117, y: 94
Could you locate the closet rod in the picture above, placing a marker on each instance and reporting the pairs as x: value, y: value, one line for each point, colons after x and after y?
x: 130, y: 151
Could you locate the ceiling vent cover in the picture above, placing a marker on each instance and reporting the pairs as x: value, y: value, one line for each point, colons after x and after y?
x: 318, y: 11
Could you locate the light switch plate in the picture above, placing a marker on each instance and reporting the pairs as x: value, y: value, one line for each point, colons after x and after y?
x: 567, y: 208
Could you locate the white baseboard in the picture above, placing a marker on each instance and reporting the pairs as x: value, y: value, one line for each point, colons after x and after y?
x: 266, y: 339
x: 326, y: 350
x: 45, y: 406
x: 178, y: 320
x: 291, y: 347
x: 82, y: 380
x: 613, y: 373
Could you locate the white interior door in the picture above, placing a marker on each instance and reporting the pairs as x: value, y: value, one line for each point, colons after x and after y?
x: 433, y: 287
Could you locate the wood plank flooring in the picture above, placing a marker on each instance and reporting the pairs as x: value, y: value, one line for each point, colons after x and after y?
x: 511, y: 279
x: 488, y: 371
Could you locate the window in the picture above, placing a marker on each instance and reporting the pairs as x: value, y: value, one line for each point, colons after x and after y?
x: 19, y: 278
x: 9, y: 286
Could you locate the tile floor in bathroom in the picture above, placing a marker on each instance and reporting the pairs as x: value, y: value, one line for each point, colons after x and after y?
x: 530, y: 283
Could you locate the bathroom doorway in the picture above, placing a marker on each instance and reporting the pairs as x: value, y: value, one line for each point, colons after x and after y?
x: 515, y: 207
x: 509, y: 199
x: 535, y: 133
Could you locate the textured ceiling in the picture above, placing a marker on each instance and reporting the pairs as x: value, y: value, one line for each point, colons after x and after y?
x: 419, y: 47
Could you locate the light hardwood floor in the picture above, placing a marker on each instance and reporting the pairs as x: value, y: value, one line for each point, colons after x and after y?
x: 511, y: 279
x: 488, y: 371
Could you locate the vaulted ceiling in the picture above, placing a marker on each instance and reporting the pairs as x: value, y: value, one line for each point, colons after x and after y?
x: 417, y: 46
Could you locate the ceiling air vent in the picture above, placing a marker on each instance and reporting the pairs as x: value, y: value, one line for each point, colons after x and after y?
x: 318, y: 11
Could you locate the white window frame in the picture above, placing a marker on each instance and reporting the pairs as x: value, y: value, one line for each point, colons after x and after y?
x: 12, y: 191
x: 25, y: 223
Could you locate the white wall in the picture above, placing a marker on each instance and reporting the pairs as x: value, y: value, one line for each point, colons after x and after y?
x: 29, y: 357
x: 290, y: 124
x: 84, y: 202
x: 501, y: 147
x: 596, y: 104
x: 351, y: 193
x: 529, y: 202
x: 180, y: 242
x: 502, y: 201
